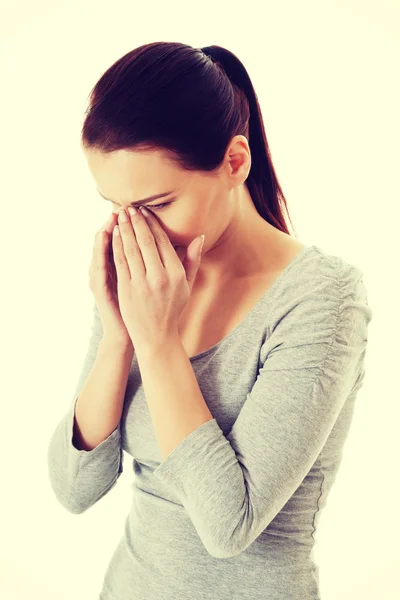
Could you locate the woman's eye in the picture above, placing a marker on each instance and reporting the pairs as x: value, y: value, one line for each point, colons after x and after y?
x: 158, y: 206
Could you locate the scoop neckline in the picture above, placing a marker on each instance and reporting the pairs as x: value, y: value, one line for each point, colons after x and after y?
x: 304, y: 251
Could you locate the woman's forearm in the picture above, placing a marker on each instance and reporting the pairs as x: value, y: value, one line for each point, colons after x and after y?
x: 98, y: 409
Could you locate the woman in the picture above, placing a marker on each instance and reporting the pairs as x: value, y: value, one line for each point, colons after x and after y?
x: 236, y: 422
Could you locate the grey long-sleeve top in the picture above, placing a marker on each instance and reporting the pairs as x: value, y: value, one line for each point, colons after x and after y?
x: 232, y: 512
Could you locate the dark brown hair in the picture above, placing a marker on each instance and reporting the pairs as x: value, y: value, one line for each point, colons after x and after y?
x: 190, y: 103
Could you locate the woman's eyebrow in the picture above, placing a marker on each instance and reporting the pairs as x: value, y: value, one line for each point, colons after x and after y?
x: 139, y: 202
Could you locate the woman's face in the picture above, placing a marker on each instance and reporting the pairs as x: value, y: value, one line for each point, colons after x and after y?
x: 217, y: 204
x: 190, y: 208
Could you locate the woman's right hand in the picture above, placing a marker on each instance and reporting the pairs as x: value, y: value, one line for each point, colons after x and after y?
x: 103, y: 284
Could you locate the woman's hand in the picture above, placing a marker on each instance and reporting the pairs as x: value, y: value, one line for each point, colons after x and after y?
x: 103, y: 284
x: 153, y: 284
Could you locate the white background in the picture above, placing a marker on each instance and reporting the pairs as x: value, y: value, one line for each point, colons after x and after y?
x: 327, y: 77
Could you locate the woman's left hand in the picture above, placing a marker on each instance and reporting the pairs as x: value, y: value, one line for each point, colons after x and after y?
x: 154, y: 286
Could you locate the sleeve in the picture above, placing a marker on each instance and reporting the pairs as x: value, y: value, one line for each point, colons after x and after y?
x: 79, y: 478
x: 233, y: 487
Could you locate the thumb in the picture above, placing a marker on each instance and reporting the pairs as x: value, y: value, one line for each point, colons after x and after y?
x: 192, y: 260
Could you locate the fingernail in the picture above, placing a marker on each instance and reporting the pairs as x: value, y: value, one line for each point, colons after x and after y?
x: 202, y: 243
x: 122, y: 216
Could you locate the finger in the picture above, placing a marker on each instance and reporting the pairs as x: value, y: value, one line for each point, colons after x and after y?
x: 110, y: 223
x: 108, y: 228
x: 96, y: 264
x: 165, y: 249
x: 104, y: 248
x: 131, y: 247
x: 147, y: 246
x: 121, y: 264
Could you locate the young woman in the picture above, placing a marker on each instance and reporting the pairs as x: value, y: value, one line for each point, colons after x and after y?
x: 228, y: 377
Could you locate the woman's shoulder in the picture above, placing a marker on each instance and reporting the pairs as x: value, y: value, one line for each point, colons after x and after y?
x: 319, y: 279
